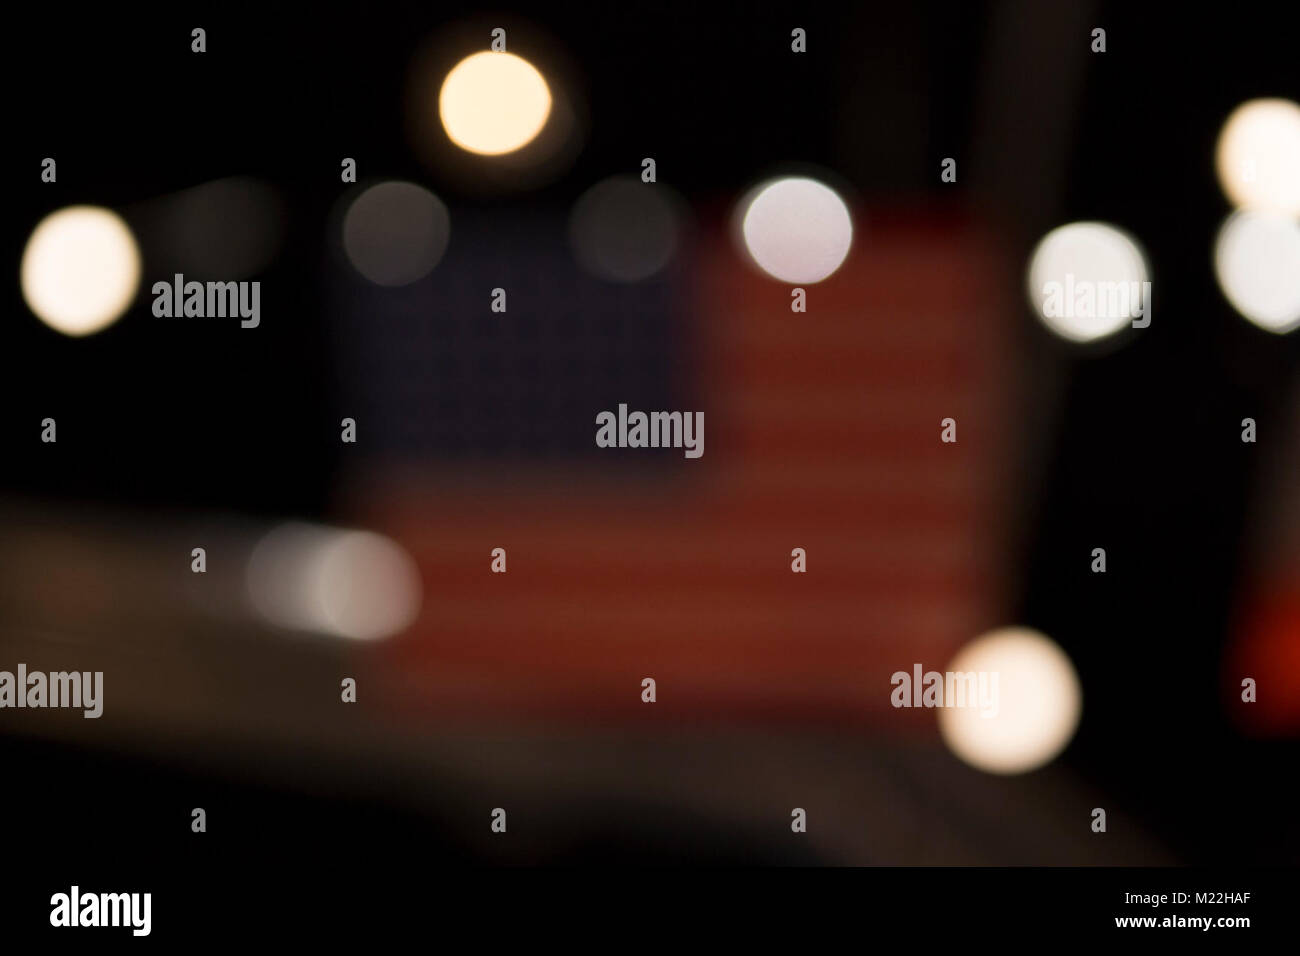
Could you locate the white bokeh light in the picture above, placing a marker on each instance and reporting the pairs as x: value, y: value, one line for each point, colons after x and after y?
x: 493, y: 103
x: 1096, y: 253
x: 1039, y: 703
x: 1257, y: 263
x: 796, y: 229
x: 80, y: 269
x: 353, y: 584
x: 1258, y: 156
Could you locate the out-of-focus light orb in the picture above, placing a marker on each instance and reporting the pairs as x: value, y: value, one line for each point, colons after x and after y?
x: 624, y: 230
x: 1039, y: 702
x: 352, y: 584
x: 395, y: 233
x: 1258, y: 156
x: 493, y: 103
x: 797, y: 229
x: 1257, y: 263
x: 232, y: 228
x: 80, y: 270
x: 1093, y: 253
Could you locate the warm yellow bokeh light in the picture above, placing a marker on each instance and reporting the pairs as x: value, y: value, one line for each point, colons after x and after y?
x: 80, y: 269
x: 1258, y: 156
x: 493, y: 103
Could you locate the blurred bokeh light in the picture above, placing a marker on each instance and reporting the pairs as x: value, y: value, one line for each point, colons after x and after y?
x: 625, y: 230
x: 493, y: 103
x: 229, y: 228
x: 1257, y: 263
x: 80, y: 269
x: 1258, y: 156
x: 395, y: 233
x: 1039, y: 702
x: 1078, y: 253
x: 796, y: 229
x: 352, y: 584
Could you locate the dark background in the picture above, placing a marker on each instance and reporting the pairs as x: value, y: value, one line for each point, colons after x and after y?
x: 1142, y: 452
